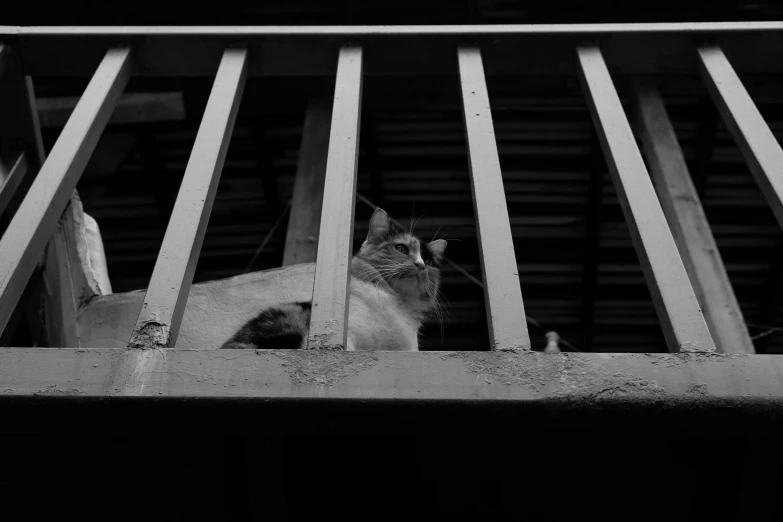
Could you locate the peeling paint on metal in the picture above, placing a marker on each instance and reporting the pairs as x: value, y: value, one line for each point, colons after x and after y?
x: 324, y: 368
x: 151, y: 334
x: 323, y: 341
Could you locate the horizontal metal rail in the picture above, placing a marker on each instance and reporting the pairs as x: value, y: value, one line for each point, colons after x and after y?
x: 399, y: 30
x: 312, y: 50
x: 329, y: 319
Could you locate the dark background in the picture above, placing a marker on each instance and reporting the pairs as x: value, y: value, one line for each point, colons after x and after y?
x: 351, y: 12
x: 540, y: 471
x: 352, y: 478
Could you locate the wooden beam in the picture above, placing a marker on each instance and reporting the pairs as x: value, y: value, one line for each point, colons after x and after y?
x: 502, y: 294
x: 755, y: 140
x: 137, y: 107
x: 20, y: 133
x: 397, y: 50
x: 266, y: 148
x: 675, y: 302
x: 22, y: 153
x: 19, y: 126
x: 164, y: 304
x: 595, y: 194
x: 24, y: 241
x: 705, y: 146
x: 26, y: 326
x: 769, y: 299
x: 301, y: 242
x: 328, y: 323
x: 685, y: 215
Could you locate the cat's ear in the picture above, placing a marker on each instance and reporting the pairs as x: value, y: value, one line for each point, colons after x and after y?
x: 379, y: 226
x: 437, y: 248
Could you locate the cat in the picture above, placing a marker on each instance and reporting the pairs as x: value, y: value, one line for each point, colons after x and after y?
x: 395, y: 284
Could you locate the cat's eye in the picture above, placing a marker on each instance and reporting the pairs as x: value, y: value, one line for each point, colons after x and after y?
x: 402, y: 249
x: 428, y: 262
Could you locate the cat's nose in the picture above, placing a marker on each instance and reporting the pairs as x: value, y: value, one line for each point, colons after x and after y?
x: 420, y: 264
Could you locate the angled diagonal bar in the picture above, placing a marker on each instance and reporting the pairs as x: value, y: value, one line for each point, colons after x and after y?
x: 164, y: 304
x: 301, y: 242
x: 681, y: 205
x: 23, y: 242
x: 502, y: 293
x: 675, y: 302
x: 754, y: 138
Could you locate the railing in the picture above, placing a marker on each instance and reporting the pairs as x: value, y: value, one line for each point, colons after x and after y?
x: 686, y: 277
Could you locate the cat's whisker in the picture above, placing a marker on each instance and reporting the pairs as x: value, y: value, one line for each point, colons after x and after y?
x: 436, y: 234
x: 413, y: 225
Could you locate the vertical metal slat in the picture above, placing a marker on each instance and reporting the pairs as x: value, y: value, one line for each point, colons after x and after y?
x: 328, y: 322
x: 502, y: 293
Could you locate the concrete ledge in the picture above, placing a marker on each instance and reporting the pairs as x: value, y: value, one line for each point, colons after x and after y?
x: 674, y: 397
x: 464, y: 376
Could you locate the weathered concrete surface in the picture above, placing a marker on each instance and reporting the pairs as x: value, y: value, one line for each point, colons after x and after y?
x: 526, y: 377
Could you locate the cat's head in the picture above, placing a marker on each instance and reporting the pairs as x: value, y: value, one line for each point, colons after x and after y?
x: 410, y: 265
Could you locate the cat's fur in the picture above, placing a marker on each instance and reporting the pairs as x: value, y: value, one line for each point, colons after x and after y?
x: 392, y: 292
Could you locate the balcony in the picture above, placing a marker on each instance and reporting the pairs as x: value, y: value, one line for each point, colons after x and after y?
x: 712, y: 365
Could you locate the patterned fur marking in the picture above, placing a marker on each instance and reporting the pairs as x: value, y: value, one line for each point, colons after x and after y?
x: 394, y: 286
